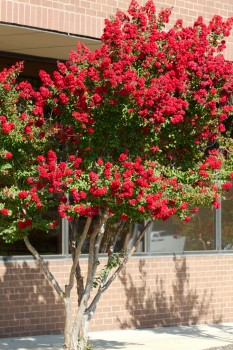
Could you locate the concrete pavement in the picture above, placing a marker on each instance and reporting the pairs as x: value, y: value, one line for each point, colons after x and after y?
x: 198, y: 337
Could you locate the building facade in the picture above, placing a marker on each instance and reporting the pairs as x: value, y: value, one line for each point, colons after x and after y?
x: 170, y: 280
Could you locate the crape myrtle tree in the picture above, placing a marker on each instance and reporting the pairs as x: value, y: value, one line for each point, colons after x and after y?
x: 137, y: 131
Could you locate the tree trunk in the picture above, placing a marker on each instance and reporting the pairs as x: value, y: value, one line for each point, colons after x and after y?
x: 67, y: 303
x: 76, y: 332
x: 76, y: 338
x: 83, y: 340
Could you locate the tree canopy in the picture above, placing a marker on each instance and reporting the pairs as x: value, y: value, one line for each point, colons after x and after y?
x: 134, y: 126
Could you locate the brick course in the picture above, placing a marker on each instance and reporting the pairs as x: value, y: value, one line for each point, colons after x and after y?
x: 151, y: 291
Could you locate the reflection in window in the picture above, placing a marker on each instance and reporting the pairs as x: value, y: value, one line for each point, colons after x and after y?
x: 175, y: 235
x: 133, y: 233
x: 121, y: 238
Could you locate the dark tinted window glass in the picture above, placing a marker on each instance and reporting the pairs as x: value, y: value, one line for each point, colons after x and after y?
x: 227, y: 221
x: 47, y: 243
x: 175, y: 235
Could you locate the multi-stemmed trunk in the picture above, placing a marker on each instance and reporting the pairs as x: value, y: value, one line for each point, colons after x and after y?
x: 76, y: 333
x: 76, y: 330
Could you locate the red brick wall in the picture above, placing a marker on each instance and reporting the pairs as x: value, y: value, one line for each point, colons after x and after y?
x: 151, y: 292
x: 86, y: 17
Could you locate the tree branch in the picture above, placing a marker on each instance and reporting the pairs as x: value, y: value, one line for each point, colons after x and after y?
x: 92, y: 265
x: 94, y: 246
x: 45, y: 269
x: 76, y: 257
x: 119, y: 230
x: 118, y: 270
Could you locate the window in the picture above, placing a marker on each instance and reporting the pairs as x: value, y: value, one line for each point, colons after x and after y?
x: 207, y: 231
x: 174, y: 235
x: 47, y: 243
x: 227, y: 222
x: 124, y: 240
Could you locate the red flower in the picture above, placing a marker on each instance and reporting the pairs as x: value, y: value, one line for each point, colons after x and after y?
x: 75, y: 195
x: 23, y: 194
x: 221, y: 127
x: 27, y: 129
x: 124, y: 217
x: 63, y: 98
x: 216, y: 204
x: 122, y: 157
x: 41, y: 159
x: 4, y: 211
x: 141, y: 209
x: 30, y: 181
x: 8, y: 155
x: 99, y: 161
x: 93, y: 176
x: 184, y: 206
x: 51, y: 156
x: 203, y: 173
x: 41, y: 135
x: 53, y: 224
x: 82, y: 194
x: 227, y: 186
x: 2, y: 118
x: 8, y: 127
x: 115, y: 185
x: 177, y: 119
x: 97, y: 192
x: 24, y: 224
x: 96, y: 99
x: 71, y: 158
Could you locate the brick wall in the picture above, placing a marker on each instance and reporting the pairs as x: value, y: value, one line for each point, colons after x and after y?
x: 150, y: 292
x: 86, y: 17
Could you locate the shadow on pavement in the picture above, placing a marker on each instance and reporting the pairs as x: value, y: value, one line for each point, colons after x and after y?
x: 222, y: 331
x: 112, y: 344
x: 51, y: 342
x: 168, y: 338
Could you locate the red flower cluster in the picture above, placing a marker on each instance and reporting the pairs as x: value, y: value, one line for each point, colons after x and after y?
x: 4, y: 211
x: 7, y: 155
x: 129, y: 186
x: 159, y: 75
x: 227, y: 186
x: 130, y: 124
x: 24, y: 224
x: 7, y: 127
